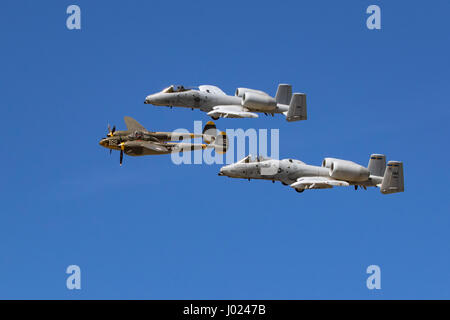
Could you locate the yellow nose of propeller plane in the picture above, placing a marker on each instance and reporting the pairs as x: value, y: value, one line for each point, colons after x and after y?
x: 103, y: 143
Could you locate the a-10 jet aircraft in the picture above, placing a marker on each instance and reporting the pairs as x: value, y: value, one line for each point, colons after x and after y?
x: 138, y: 141
x: 333, y: 172
x: 246, y: 103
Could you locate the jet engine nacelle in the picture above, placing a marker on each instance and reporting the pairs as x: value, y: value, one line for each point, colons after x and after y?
x: 255, y: 101
x: 241, y: 91
x: 326, y: 163
x: 346, y: 170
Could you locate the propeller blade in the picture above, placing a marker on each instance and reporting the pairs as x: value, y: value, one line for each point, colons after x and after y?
x: 364, y: 187
x: 110, y: 151
x: 121, y: 156
x: 356, y: 187
x: 111, y: 131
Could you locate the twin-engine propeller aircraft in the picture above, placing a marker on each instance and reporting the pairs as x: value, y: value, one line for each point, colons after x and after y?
x: 138, y: 141
x: 246, y: 103
x: 333, y: 172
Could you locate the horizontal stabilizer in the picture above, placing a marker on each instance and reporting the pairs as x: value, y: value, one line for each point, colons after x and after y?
x: 221, y: 143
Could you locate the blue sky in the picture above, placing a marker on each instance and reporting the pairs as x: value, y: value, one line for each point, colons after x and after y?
x: 155, y: 230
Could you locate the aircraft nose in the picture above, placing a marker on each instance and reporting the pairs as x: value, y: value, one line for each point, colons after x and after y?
x: 102, y: 142
x: 157, y: 99
x: 151, y: 99
x: 224, y: 171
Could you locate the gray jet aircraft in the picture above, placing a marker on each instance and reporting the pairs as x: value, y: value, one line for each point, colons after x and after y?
x: 333, y: 172
x: 246, y: 103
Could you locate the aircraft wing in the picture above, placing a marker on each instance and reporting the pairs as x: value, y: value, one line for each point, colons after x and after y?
x: 146, y: 145
x: 231, y: 111
x: 317, y: 183
x: 133, y: 125
x: 211, y: 89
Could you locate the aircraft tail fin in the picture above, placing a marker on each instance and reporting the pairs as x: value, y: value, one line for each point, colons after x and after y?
x: 297, y: 108
x: 393, y: 178
x: 377, y: 165
x: 284, y: 94
x: 209, y: 132
x: 210, y: 128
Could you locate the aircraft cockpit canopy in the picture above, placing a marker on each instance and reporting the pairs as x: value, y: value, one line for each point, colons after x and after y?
x: 247, y: 159
x: 250, y: 158
x: 175, y: 89
x: 262, y: 158
x: 138, y: 134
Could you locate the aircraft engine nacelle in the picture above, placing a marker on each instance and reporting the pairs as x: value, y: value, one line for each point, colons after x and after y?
x: 255, y: 101
x: 346, y: 170
x: 241, y: 91
x: 326, y: 163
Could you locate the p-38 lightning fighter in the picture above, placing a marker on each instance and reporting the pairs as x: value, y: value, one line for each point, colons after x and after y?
x: 138, y: 141
x: 333, y: 172
x: 246, y: 103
